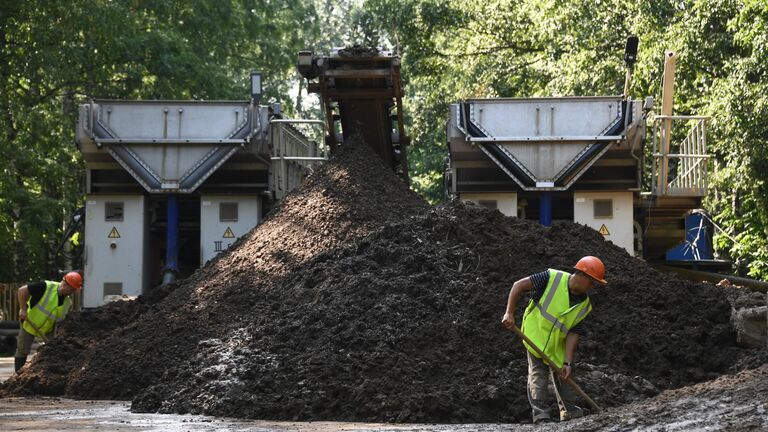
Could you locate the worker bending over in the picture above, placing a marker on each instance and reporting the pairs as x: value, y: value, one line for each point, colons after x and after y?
x: 41, y: 306
x: 552, y: 321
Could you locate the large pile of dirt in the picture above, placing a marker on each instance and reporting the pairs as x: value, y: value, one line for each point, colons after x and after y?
x: 118, y: 350
x: 355, y: 301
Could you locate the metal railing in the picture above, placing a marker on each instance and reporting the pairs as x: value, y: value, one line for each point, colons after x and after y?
x: 294, y: 155
x: 679, y: 169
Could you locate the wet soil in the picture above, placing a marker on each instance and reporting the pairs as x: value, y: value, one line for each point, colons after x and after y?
x: 729, y: 403
x: 357, y: 301
x: 733, y: 403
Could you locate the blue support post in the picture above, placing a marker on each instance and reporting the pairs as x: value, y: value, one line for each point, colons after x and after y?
x: 545, y: 208
x: 171, y: 241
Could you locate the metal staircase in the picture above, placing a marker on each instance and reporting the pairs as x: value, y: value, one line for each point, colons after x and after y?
x: 678, y: 183
x: 680, y: 170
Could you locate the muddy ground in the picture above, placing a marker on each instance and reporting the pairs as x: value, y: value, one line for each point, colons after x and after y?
x: 356, y: 301
x: 732, y: 403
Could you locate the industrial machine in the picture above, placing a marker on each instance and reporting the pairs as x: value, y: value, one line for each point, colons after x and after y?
x: 171, y: 184
x: 361, y: 94
x: 583, y: 159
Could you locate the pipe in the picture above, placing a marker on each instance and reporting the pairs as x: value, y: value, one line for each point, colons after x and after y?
x: 545, y: 208
x: 630, y: 58
x: 698, y: 276
x: 637, y: 158
x: 627, y: 82
x: 171, y: 241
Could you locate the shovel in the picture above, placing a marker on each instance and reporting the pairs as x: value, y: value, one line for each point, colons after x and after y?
x: 554, y: 367
x: 34, y: 327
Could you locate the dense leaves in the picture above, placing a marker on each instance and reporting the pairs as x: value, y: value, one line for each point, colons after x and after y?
x: 504, y: 48
x: 58, y: 54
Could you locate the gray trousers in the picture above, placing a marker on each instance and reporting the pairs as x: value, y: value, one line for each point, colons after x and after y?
x: 24, y: 342
x: 539, y: 377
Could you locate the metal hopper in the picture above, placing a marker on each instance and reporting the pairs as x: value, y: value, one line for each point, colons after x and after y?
x: 543, y: 144
x: 167, y: 146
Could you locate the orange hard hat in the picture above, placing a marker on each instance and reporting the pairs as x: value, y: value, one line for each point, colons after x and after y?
x: 74, y: 280
x: 592, y: 267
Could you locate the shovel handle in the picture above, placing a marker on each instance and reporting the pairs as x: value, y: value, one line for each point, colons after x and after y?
x: 554, y: 367
x: 42, y: 335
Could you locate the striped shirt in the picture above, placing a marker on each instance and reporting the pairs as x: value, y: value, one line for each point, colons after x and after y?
x: 540, y: 281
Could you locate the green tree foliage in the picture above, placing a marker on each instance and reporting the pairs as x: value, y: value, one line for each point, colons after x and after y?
x: 337, y: 25
x: 503, y: 48
x: 739, y: 103
x: 56, y: 54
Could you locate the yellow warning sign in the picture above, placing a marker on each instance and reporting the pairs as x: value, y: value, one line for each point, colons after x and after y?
x: 604, y: 230
x: 114, y: 233
x: 228, y: 233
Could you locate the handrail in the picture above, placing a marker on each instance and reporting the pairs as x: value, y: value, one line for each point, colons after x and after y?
x: 169, y: 141
x: 688, y: 177
x: 681, y: 117
x: 294, y: 155
x: 299, y: 121
x: 564, y: 138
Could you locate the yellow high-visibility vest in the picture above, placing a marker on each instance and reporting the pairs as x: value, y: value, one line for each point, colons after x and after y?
x: 547, y: 322
x: 47, y: 312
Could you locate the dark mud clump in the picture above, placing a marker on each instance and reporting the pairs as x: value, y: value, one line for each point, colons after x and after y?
x: 731, y: 403
x: 356, y: 301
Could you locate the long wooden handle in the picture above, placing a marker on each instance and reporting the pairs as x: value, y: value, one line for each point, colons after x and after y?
x: 45, y: 339
x: 554, y: 367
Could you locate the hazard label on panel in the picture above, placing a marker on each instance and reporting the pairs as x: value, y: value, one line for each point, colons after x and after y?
x: 114, y: 233
x: 604, y: 230
x: 228, y: 233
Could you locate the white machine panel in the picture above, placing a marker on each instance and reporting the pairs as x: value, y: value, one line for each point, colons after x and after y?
x: 506, y: 203
x: 116, y: 238
x: 542, y: 117
x: 223, y: 219
x: 610, y: 213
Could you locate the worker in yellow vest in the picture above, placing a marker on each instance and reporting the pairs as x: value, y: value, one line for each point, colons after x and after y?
x: 553, y: 321
x: 41, y: 306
